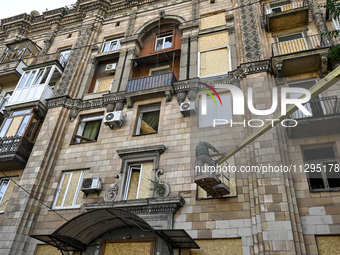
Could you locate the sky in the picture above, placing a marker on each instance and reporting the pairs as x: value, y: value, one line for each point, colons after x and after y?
x: 9, y: 8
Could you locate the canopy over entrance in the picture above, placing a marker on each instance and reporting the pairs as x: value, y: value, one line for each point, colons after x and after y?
x: 78, y: 233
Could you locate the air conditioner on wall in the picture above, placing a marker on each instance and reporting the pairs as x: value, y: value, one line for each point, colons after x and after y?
x: 110, y: 68
x: 112, y: 118
x: 91, y: 185
x: 188, y: 108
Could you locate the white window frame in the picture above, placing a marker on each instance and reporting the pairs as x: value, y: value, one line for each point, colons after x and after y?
x: 97, y: 83
x: 270, y: 9
x: 140, y: 117
x: 2, y: 181
x: 80, y: 181
x: 163, y: 37
x: 212, y: 49
x: 128, y: 180
x: 110, y: 41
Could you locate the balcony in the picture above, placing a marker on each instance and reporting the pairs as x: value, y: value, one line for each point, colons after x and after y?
x: 35, y: 86
x: 325, y: 118
x: 16, y: 57
x: 14, y: 152
x: 151, y: 82
x: 295, y: 54
x: 151, y: 86
x: 48, y: 59
x: 286, y: 14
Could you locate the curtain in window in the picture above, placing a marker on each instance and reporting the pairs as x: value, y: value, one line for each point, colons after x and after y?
x: 91, y: 129
x: 152, y: 119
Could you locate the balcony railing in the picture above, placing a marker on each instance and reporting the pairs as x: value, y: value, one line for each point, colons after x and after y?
x: 320, y: 107
x: 18, y: 145
x: 276, y: 7
x: 24, y: 51
x: 299, y: 45
x: 49, y: 58
x: 150, y: 82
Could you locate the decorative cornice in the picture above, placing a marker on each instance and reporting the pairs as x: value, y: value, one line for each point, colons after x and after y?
x: 128, y: 153
x: 167, y: 205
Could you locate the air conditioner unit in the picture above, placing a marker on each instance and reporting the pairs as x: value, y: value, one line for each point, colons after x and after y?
x: 112, y: 118
x: 188, y: 108
x: 111, y: 68
x: 91, y: 185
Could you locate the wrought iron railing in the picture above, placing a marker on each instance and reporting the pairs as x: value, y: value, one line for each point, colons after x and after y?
x: 320, y: 107
x: 16, y: 145
x: 151, y: 82
x: 281, y: 6
x: 298, y: 45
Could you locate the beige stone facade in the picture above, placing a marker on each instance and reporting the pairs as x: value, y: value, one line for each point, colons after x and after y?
x: 77, y: 180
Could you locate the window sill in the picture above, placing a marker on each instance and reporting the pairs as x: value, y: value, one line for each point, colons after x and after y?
x: 66, y: 208
x: 145, y: 134
x: 324, y: 190
x: 83, y: 143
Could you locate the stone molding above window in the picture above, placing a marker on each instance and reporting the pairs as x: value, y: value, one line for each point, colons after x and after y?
x: 132, y: 157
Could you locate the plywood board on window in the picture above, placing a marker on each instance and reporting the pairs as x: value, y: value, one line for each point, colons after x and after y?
x: 13, y: 129
x: 104, y: 84
x: 292, y: 46
x: 328, y: 245
x: 230, y: 246
x: 63, y: 189
x: 80, y: 194
x: 8, y: 194
x: 144, y: 190
x: 213, y: 20
x: 72, y: 189
x: 214, y: 40
x: 128, y: 248
x: 214, y: 62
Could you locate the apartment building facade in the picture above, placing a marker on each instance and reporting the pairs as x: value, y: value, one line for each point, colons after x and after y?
x: 103, y: 109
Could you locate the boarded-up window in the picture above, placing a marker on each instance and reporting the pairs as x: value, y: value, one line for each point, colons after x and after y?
x: 292, y: 43
x: 69, y: 195
x: 328, y: 245
x: 128, y: 247
x: 43, y: 249
x: 230, y: 246
x: 138, y: 181
x: 214, y: 56
x: 6, y: 189
x: 213, y: 20
x: 103, y: 84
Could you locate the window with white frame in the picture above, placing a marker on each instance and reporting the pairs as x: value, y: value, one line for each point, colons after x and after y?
x: 215, y: 111
x: 159, y: 70
x: 214, y: 54
x: 280, y: 6
x: 68, y: 194
x: 322, y: 167
x: 63, y: 57
x: 103, y: 84
x: 138, y: 181
x: 88, y: 129
x: 148, y: 119
x: 111, y: 45
x: 6, y: 189
x: 163, y: 41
